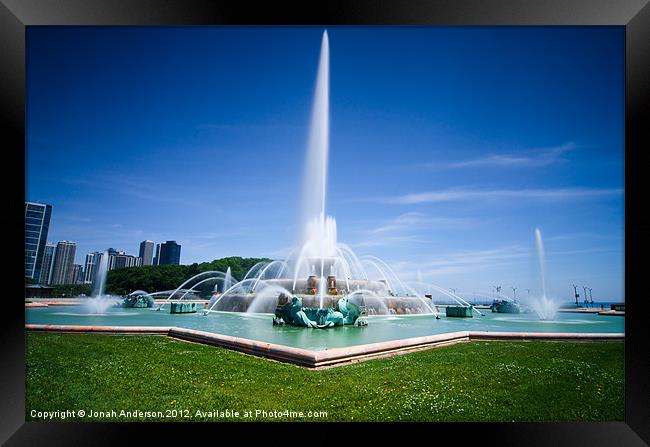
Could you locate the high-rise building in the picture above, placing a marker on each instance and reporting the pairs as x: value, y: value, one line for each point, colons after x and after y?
x: 63, y: 262
x: 156, y: 258
x: 48, y: 262
x: 146, y: 252
x: 170, y: 253
x: 112, y: 253
x: 121, y: 260
x: 62, y: 267
x: 77, y: 274
x: 37, y: 224
x: 90, y: 266
x: 94, y: 261
x: 117, y: 259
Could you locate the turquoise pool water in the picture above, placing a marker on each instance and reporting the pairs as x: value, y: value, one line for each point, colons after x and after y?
x: 380, y: 328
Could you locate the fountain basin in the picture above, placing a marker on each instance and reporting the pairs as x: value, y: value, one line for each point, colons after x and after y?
x: 380, y: 328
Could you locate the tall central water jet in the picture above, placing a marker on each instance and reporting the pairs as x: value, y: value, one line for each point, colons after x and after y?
x: 540, y: 258
x: 99, y: 282
x: 318, y: 231
x: 545, y: 307
x: 315, y: 170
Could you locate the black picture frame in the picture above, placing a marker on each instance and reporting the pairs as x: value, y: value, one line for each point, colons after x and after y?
x: 634, y: 15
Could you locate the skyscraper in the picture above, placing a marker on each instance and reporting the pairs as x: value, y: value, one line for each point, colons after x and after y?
x: 48, y: 262
x: 156, y: 258
x: 146, y: 252
x: 90, y: 266
x: 170, y: 253
x: 63, y: 262
x: 77, y: 274
x: 121, y: 260
x: 37, y: 224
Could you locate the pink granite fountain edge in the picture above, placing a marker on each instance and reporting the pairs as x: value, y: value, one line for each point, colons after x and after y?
x: 326, y: 357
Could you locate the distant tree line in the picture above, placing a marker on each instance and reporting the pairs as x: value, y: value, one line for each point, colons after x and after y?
x: 156, y: 278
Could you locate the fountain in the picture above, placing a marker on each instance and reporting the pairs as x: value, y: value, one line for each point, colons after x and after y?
x: 320, y: 269
x: 544, y: 307
x: 99, y: 302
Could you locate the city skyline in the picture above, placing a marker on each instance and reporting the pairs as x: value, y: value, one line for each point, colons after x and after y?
x: 146, y: 246
x: 145, y: 251
x: 55, y: 264
x: 468, y: 141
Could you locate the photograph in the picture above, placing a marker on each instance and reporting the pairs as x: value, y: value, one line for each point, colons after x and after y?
x: 336, y: 223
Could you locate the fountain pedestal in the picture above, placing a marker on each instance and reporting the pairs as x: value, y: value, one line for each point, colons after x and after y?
x: 506, y: 307
x: 459, y: 311
x: 182, y: 308
x: 137, y: 301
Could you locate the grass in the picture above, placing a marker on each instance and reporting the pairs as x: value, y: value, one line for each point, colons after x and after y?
x: 474, y: 381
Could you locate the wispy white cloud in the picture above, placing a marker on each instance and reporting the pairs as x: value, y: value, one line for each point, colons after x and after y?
x: 463, y: 262
x: 99, y: 236
x: 417, y: 221
x: 407, y: 229
x: 390, y: 241
x: 462, y: 194
x: 487, y: 256
x: 139, y: 189
x: 522, y: 159
x: 466, y: 263
x: 74, y: 218
x: 574, y: 236
x: 583, y: 251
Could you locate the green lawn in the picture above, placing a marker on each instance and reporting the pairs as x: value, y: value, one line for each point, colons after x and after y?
x: 475, y: 381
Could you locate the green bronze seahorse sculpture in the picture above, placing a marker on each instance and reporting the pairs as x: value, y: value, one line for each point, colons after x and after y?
x: 346, y: 313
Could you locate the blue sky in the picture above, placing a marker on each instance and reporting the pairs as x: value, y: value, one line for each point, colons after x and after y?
x: 448, y: 146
